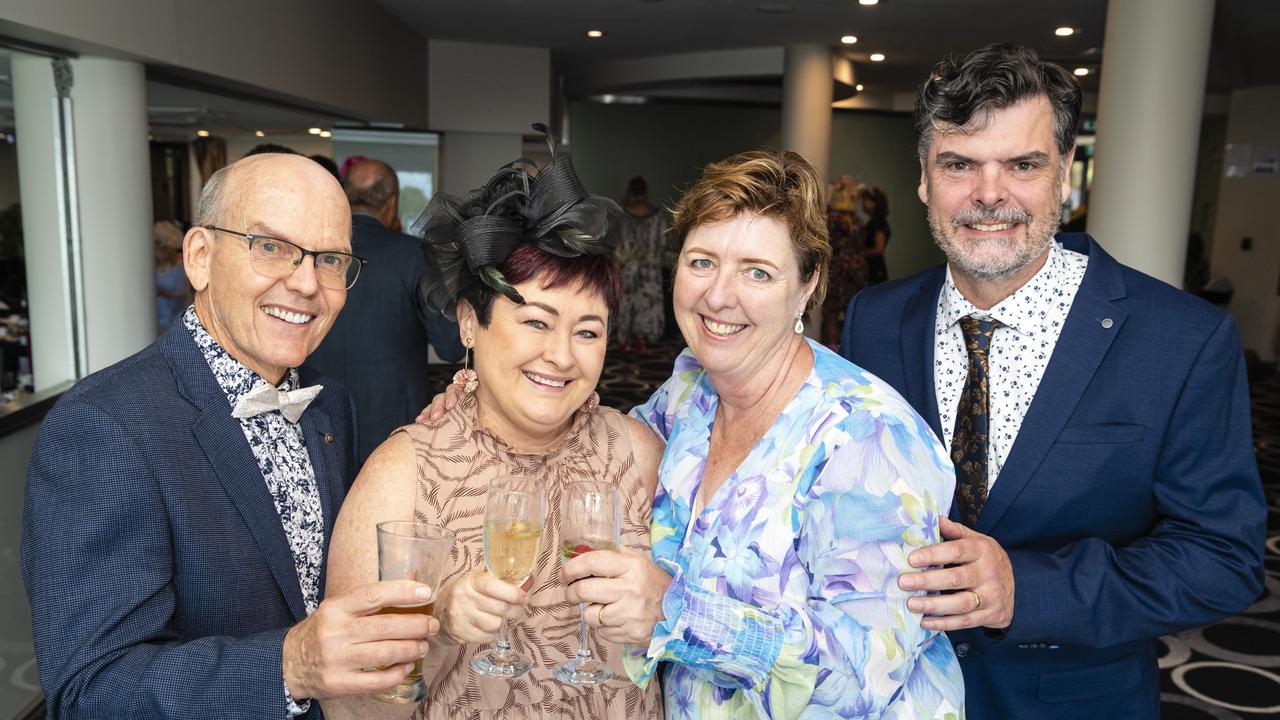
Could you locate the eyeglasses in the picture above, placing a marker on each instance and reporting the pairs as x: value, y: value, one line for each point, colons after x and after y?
x: 275, y: 258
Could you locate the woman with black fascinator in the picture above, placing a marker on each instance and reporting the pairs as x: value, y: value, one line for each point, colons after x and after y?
x: 525, y: 265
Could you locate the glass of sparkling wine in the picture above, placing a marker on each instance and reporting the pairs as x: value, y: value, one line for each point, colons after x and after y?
x: 411, y: 551
x: 590, y: 520
x: 513, y: 516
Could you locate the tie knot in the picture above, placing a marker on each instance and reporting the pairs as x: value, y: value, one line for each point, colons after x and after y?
x: 977, y: 333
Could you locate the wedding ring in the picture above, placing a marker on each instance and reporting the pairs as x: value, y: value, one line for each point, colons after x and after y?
x: 600, y: 616
x: 977, y: 599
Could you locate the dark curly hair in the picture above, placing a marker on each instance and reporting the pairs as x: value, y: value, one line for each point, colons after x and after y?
x: 993, y: 78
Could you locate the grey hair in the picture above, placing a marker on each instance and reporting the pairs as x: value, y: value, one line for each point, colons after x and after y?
x: 213, y: 198
x: 993, y: 78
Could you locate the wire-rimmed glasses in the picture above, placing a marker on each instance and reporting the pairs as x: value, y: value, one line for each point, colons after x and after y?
x: 276, y: 258
x: 514, y: 513
x: 591, y: 519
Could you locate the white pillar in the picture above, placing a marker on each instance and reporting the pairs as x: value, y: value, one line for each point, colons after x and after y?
x: 1155, y: 57
x: 806, y: 104
x: 49, y: 283
x: 109, y: 102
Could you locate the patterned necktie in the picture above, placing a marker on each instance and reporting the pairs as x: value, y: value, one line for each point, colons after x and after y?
x: 969, y: 443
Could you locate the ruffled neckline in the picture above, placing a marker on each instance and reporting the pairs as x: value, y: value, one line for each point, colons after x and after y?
x: 568, y: 443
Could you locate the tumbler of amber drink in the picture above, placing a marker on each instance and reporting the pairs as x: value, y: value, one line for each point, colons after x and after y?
x: 412, y: 551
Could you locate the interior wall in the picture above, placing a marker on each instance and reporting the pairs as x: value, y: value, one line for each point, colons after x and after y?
x: 1246, y: 209
x: 348, y: 55
x: 668, y: 144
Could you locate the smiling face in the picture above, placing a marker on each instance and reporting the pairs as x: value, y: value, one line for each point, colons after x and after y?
x: 538, y: 362
x: 738, y: 293
x: 994, y: 191
x: 269, y: 325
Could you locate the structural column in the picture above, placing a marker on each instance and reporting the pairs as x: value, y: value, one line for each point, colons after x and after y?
x: 109, y: 102
x: 1155, y: 56
x: 84, y: 182
x: 806, y: 104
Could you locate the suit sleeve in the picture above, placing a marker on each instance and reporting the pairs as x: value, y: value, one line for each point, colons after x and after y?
x: 1203, y: 558
x: 847, y: 333
x: 442, y: 333
x: 98, y: 567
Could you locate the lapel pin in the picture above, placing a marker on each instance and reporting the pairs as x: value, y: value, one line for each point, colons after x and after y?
x: 1107, y: 323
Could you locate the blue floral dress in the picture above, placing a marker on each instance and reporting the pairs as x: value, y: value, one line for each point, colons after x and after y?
x: 784, y: 601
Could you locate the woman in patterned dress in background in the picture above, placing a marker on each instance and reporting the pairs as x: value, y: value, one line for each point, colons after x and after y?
x: 524, y: 265
x: 644, y: 260
x: 792, y: 488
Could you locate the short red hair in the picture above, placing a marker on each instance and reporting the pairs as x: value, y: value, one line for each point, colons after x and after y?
x: 595, y: 274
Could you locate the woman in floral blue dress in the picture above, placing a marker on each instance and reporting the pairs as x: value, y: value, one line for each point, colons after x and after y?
x: 792, y: 488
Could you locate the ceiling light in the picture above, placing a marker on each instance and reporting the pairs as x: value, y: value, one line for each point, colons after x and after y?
x: 849, y: 39
x: 858, y: 87
x: 868, y: 3
x: 313, y: 131
x: 877, y: 57
x: 325, y: 134
x: 1081, y: 71
x: 202, y: 133
x: 259, y: 133
x: 595, y: 33
x: 1064, y: 31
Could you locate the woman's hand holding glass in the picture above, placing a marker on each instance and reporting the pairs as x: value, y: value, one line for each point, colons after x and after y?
x: 514, y: 513
x: 472, y: 607
x: 623, y: 593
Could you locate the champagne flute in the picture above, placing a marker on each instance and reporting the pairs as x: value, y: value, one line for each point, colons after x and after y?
x: 513, y: 517
x: 590, y: 520
x: 411, y: 551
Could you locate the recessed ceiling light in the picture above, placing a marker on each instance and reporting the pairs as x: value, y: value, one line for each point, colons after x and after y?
x: 1081, y: 71
x: 202, y: 133
x: 1064, y: 31
x: 259, y: 133
x: 313, y: 131
x: 595, y: 33
x: 325, y: 134
x: 858, y: 87
x: 868, y: 2
x: 877, y: 57
x: 849, y: 39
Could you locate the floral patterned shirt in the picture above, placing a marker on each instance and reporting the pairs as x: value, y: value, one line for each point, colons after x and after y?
x: 784, y: 599
x: 1031, y: 320
x: 281, y: 453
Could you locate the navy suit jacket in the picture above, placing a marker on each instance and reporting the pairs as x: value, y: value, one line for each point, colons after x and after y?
x: 1130, y: 504
x: 160, y: 578
x: 377, y: 348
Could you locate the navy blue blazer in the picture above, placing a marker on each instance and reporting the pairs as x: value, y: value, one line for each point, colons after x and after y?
x: 377, y: 347
x: 160, y: 578
x: 1130, y: 503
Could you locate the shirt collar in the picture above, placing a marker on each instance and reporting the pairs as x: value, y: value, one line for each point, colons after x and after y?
x: 1023, y: 311
x: 233, y: 377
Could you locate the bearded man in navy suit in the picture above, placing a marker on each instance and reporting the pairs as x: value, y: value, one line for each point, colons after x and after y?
x: 1107, y: 491
x: 179, y: 503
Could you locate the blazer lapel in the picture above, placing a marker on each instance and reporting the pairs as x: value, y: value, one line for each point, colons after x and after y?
x: 316, y: 426
x: 227, y: 452
x: 918, y: 320
x: 1083, y: 344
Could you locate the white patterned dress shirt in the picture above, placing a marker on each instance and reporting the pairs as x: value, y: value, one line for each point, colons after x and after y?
x: 1031, y: 321
x: 281, y: 452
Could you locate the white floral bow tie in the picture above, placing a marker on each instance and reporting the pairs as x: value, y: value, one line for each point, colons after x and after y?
x: 265, y: 398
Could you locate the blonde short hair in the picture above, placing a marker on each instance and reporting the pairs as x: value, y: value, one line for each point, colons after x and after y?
x: 776, y: 184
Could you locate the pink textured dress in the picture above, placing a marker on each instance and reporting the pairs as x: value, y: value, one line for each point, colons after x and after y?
x: 456, y: 460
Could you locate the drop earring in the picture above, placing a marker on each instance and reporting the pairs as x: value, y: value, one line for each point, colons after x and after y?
x: 799, y: 325
x: 466, y: 378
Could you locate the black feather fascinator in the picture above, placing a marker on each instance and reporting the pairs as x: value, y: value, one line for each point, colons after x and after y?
x: 467, y: 239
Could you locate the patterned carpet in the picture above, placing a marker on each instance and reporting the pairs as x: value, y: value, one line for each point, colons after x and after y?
x: 1226, y: 671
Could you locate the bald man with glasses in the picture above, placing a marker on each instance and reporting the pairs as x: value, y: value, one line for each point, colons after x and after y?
x: 179, y: 503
